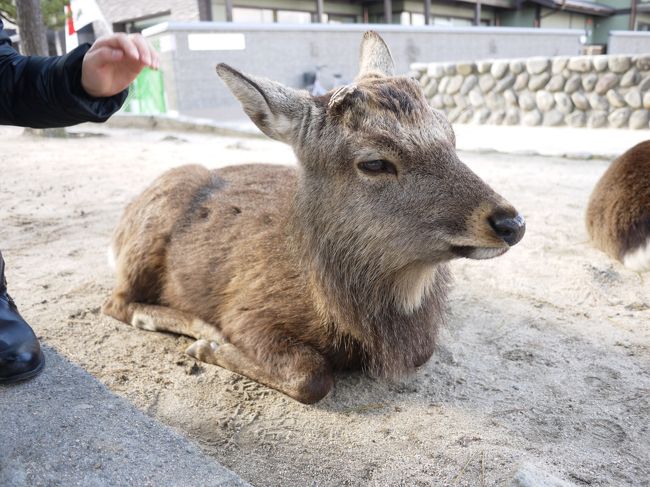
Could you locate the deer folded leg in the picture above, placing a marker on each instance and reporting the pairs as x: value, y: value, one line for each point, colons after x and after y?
x: 161, y: 318
x: 299, y: 372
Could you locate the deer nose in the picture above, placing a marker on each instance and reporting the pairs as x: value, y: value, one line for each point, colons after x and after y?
x: 509, y: 229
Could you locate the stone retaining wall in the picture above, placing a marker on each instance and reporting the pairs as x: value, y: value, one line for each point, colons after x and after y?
x: 582, y: 91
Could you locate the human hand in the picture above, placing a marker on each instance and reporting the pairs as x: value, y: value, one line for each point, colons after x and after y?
x: 114, y: 61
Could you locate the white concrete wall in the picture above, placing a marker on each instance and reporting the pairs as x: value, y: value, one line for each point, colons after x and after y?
x: 628, y: 42
x: 285, y: 52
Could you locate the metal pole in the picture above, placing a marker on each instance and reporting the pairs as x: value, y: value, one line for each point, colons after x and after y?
x: 205, y: 10
x: 477, y: 13
x: 427, y: 12
x: 319, y: 11
x: 228, y: 10
x: 388, y: 11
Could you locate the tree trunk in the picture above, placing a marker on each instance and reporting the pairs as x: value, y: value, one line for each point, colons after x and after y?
x: 33, y: 42
x: 33, y: 38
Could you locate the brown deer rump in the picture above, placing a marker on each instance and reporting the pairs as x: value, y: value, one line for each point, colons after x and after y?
x: 618, y: 214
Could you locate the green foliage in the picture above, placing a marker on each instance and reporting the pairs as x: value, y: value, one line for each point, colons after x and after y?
x: 8, y: 10
x: 52, y: 10
x: 54, y: 13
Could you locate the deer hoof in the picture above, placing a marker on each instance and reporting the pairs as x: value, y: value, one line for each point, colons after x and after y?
x: 202, y: 350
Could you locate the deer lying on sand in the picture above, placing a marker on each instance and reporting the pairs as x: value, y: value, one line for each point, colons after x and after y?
x: 286, y: 274
x: 618, y: 215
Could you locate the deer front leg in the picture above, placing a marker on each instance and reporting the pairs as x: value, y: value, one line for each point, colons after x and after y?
x: 162, y: 318
x: 300, y: 372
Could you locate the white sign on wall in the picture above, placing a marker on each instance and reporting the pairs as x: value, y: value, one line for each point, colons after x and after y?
x: 167, y: 43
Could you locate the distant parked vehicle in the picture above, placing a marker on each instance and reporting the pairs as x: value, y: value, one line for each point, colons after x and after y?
x: 313, y: 81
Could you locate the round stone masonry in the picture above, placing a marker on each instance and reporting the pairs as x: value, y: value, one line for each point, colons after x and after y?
x: 553, y: 118
x: 504, y: 83
x: 630, y: 78
x: 619, y: 64
x: 589, y: 81
x: 517, y: 66
x: 431, y: 88
x: 619, y: 117
x: 605, y: 83
x: 639, y: 119
x: 597, y: 119
x: 468, y: 84
x: 599, y: 63
x: 532, y: 118
x: 644, y: 84
x: 642, y: 62
x: 484, y: 66
x: 634, y: 99
x: 527, y: 101
x: 615, y: 99
x: 486, y: 82
x: 580, y: 64
x: 556, y: 83
x: 521, y: 81
x: 476, y: 98
x: 499, y: 69
x: 580, y: 101
x: 510, y: 97
x: 563, y: 103
x: 436, y: 71
x: 437, y: 102
x: 442, y: 84
x: 461, y: 100
x: 646, y: 100
x: 597, y: 102
x: 455, y: 82
x: 537, y: 65
x: 465, y: 68
x: 559, y: 64
x: 573, y: 84
x: 578, y: 91
x: 577, y: 119
x: 545, y: 100
x: 538, y: 81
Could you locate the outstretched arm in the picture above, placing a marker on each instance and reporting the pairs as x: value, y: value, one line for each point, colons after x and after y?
x: 88, y: 84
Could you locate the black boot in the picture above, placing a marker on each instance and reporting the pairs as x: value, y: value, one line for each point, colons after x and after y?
x: 20, y: 353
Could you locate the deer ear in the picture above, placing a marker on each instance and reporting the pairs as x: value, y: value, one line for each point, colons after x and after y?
x: 277, y: 110
x: 375, y: 57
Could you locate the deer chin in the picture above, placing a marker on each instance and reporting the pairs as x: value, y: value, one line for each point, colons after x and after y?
x: 479, y: 253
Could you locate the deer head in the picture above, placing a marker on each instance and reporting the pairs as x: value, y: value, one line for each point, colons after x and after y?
x: 381, y: 181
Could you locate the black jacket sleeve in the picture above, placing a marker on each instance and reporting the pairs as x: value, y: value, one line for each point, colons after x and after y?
x: 43, y: 92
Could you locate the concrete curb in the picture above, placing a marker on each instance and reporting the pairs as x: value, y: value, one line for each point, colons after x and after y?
x: 64, y: 428
x: 565, y: 142
x: 183, y: 123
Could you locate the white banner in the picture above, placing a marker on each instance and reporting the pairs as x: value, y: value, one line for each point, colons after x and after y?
x: 84, y: 12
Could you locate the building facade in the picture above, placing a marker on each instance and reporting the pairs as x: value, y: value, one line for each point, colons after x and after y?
x: 596, y: 19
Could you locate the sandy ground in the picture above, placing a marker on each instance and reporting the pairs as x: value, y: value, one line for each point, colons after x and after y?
x: 545, y: 361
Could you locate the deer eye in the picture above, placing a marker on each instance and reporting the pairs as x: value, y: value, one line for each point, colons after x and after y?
x: 378, y: 166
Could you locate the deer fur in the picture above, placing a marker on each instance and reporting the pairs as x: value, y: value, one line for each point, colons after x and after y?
x: 287, y: 274
x: 618, y: 215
